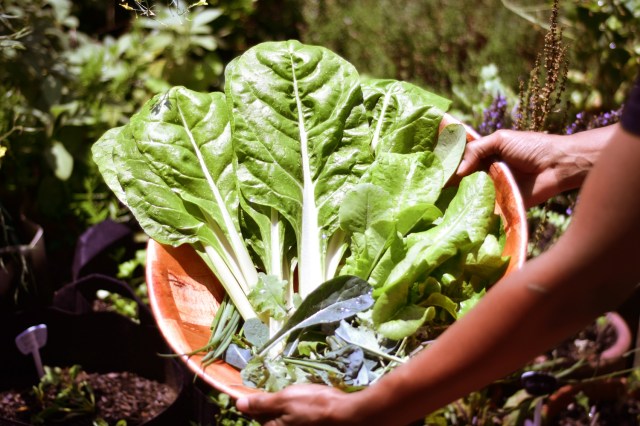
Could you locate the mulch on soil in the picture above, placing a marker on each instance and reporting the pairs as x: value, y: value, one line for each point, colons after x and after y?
x: 118, y: 396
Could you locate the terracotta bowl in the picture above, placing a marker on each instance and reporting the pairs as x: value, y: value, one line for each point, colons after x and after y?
x: 184, y: 294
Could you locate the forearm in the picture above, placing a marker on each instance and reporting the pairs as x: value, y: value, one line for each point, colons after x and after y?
x: 590, y: 270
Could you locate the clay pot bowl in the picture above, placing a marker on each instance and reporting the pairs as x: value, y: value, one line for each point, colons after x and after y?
x: 184, y: 294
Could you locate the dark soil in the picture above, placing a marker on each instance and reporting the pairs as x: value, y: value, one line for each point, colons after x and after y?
x: 118, y: 396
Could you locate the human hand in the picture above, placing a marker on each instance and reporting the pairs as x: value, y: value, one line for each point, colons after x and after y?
x: 312, y: 405
x: 540, y: 163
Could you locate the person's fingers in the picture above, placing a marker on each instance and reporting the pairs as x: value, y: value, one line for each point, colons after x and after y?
x: 258, y: 404
x: 242, y: 403
x: 475, y: 153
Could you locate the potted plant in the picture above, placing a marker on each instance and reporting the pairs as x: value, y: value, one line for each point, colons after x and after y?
x: 599, y: 349
x: 107, y: 364
x: 591, y: 365
x: 605, y: 400
x: 101, y: 358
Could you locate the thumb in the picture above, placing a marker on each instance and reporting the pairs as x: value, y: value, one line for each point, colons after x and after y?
x: 477, y: 154
x: 469, y: 163
x: 256, y: 404
x: 464, y: 167
x: 242, y: 404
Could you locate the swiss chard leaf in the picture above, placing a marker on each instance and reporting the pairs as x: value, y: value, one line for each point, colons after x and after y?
x: 404, y: 117
x: 301, y: 137
x: 173, y: 163
x: 396, y: 192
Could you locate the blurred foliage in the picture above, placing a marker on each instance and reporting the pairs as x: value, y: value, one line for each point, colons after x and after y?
x: 442, y: 45
x: 604, y: 46
x: 542, y: 95
x: 606, y: 51
x: 472, y: 54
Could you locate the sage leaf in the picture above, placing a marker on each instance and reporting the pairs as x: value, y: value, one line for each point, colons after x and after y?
x: 336, y: 299
x: 237, y: 356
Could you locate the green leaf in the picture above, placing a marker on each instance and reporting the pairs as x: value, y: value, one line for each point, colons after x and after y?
x: 410, y: 180
x: 365, y: 338
x: 466, y: 222
x: 256, y: 332
x: 205, y: 16
x: 467, y: 304
x: 336, y: 299
x: 406, y: 321
x: 451, y: 143
x: 60, y: 161
x: 102, y: 152
x: 268, y: 296
x: 271, y: 375
x: 206, y: 42
x: 487, y: 263
x: 174, y: 163
x: 301, y: 140
x: 442, y: 301
x: 404, y: 117
x: 365, y: 213
x: 396, y: 193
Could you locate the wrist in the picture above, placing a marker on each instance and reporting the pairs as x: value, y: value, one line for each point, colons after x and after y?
x: 576, y: 160
x: 370, y: 406
x: 385, y: 403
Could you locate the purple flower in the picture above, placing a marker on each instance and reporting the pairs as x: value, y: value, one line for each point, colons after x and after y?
x: 586, y: 121
x: 494, y: 116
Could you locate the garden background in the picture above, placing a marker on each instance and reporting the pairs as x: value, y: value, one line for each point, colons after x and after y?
x: 69, y: 71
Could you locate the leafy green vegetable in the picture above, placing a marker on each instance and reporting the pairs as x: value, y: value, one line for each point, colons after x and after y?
x: 466, y: 222
x: 303, y: 186
x: 306, y: 130
x: 404, y: 118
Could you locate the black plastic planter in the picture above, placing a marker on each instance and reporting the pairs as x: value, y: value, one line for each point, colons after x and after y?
x: 98, y: 341
x: 24, y: 280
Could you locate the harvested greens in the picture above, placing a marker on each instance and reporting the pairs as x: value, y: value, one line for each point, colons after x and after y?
x: 317, y: 197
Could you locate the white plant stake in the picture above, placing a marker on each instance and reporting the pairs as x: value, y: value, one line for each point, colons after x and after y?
x: 30, y: 341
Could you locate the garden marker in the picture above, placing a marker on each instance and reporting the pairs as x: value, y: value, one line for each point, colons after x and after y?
x: 30, y: 341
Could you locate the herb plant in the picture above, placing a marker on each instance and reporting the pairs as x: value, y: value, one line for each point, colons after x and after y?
x: 313, y: 194
x: 62, y: 395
